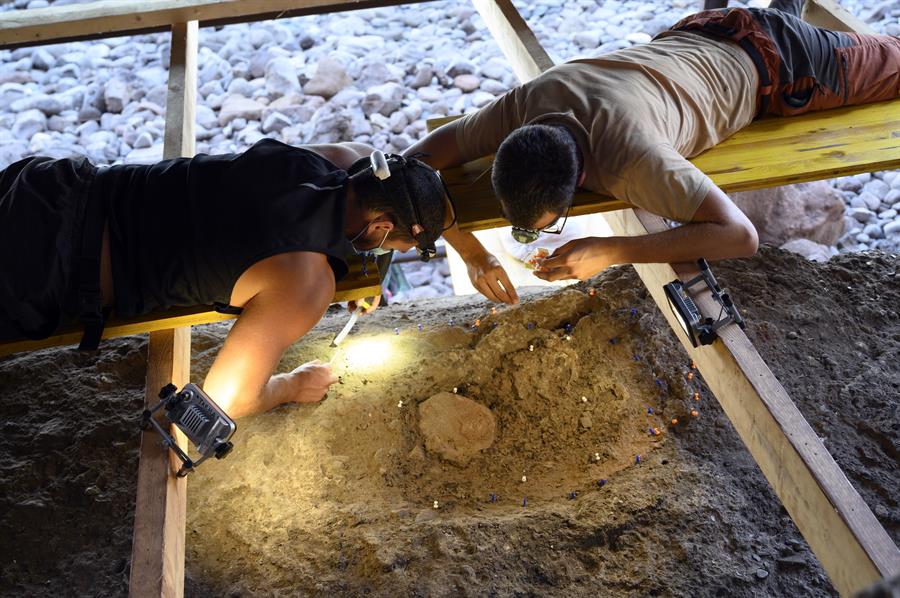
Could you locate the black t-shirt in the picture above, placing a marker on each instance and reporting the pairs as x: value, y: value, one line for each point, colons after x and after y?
x: 183, y: 231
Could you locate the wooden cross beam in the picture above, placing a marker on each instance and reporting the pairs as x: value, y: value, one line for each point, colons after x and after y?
x: 840, y: 528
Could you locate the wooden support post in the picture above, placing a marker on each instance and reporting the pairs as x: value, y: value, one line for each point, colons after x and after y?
x: 514, y: 37
x: 840, y: 528
x: 830, y: 15
x: 157, y: 560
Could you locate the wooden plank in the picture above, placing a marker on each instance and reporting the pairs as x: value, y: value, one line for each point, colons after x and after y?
x: 831, y: 15
x: 514, y: 37
x: 840, y: 528
x: 768, y: 153
x: 109, y: 18
x: 157, y: 559
x: 157, y: 556
x: 355, y: 286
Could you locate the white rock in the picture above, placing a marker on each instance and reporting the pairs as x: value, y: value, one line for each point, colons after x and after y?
x: 205, y: 116
x: 281, y: 77
x: 424, y: 75
x: 28, y: 123
x: 149, y: 155
x: 482, y: 98
x: 398, y: 121
x: 383, y: 99
x: 330, y: 78
x: 275, y: 122
x: 870, y: 200
x: 144, y: 140
x: 873, y: 231
x: 589, y: 39
x: 430, y: 94
x: 236, y: 106
x: 467, y: 83
x: 861, y: 214
x: 892, y: 196
x: 401, y: 142
x: 493, y: 87
x: 892, y: 228
x: 460, y: 67
x: 116, y: 94
x: 889, y: 214
x: 43, y: 60
x: 638, y: 37
x: 495, y: 68
x: 876, y: 187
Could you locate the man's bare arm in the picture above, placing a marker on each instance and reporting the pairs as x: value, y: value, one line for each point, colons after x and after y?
x: 719, y: 230
x: 441, y: 150
x: 295, y: 290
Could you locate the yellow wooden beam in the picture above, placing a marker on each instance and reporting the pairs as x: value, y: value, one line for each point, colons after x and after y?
x: 353, y: 288
x: 110, y: 18
x: 768, y: 153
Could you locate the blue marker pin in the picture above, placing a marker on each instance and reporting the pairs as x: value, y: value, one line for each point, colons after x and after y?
x: 396, y: 331
x: 524, y: 502
x: 452, y: 321
x: 650, y: 410
x: 637, y: 459
x: 633, y: 311
x: 637, y: 357
x: 613, y: 340
x: 530, y: 325
x: 573, y: 495
x: 568, y: 328
x: 493, y: 497
x: 659, y: 382
x: 601, y: 483
x: 419, y: 327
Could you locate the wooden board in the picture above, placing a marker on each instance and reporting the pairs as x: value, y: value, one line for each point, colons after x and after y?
x: 768, y: 153
x: 110, y: 18
x: 354, y: 286
x: 840, y: 528
x: 831, y: 15
x: 157, y: 553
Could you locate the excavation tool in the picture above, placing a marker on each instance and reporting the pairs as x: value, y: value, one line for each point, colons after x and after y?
x: 363, y: 305
x: 700, y: 330
x: 193, y: 412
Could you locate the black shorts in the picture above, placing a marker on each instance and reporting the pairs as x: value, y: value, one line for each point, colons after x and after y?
x: 42, y: 211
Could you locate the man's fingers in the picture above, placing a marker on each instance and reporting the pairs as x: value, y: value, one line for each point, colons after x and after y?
x: 485, y: 289
x: 497, y: 290
x: 510, y: 289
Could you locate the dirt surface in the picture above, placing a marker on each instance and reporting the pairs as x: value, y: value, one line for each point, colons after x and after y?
x: 339, y: 498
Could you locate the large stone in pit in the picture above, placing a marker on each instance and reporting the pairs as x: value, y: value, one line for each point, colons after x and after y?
x: 456, y: 428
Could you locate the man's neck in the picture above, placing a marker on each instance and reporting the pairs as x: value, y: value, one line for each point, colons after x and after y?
x: 355, y: 218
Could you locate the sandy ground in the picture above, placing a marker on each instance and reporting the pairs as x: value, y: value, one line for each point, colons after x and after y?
x: 338, y: 498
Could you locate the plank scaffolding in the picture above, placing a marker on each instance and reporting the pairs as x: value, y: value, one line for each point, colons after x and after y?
x: 840, y: 528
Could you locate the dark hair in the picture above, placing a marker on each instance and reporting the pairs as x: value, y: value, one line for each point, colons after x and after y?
x: 535, y: 171
x: 425, y: 190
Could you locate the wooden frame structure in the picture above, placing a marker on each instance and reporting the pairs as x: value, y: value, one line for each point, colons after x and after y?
x: 840, y: 528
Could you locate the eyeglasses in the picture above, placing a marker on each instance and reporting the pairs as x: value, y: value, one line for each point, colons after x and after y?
x: 530, y: 235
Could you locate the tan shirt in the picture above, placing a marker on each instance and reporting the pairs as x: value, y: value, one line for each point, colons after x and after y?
x: 637, y: 114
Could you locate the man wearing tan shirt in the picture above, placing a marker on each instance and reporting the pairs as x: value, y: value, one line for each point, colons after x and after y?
x: 623, y: 124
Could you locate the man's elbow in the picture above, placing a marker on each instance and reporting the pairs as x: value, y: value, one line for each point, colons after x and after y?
x: 746, y: 240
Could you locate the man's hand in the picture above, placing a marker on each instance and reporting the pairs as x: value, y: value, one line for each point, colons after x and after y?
x: 581, y: 259
x: 490, y: 279
x: 306, y: 384
x: 368, y: 306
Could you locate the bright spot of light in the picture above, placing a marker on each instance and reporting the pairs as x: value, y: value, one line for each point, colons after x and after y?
x: 366, y: 353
